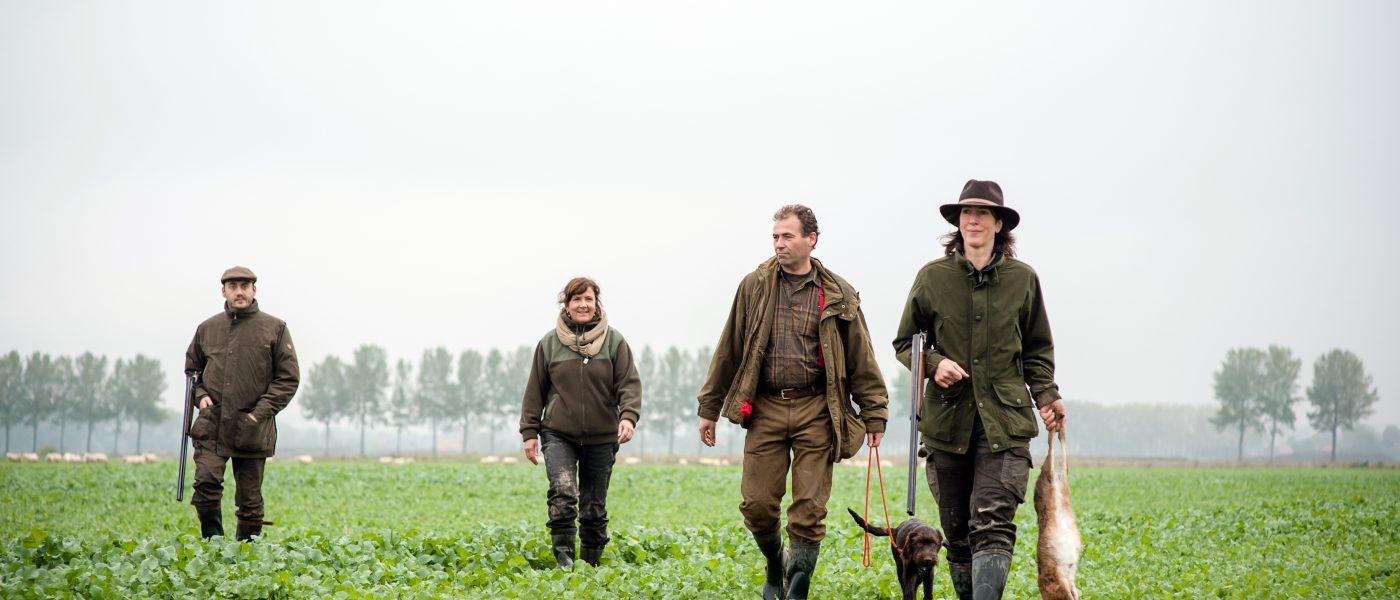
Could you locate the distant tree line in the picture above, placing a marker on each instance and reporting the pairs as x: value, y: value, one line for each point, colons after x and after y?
x: 82, y: 391
x: 1258, y: 388
x: 475, y: 389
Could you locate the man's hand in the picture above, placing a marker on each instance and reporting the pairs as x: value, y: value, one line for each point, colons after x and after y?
x: 948, y: 373
x: 205, y: 402
x: 873, y: 439
x: 624, y: 431
x: 1054, y: 415
x: 532, y: 450
x: 707, y: 432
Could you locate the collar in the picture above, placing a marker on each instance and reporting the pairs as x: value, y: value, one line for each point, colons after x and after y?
x: 987, y: 272
x: 241, y: 314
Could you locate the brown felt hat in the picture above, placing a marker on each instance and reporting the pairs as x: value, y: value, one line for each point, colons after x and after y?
x: 981, y: 193
x: 238, y: 274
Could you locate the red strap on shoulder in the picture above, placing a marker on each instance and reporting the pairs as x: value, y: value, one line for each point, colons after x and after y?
x: 821, y: 306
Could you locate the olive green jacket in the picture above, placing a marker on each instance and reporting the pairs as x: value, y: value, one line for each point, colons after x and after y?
x: 851, y: 371
x: 247, y: 366
x: 581, y: 400
x: 998, y: 333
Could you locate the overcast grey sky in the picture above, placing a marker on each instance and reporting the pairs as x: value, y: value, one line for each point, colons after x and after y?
x: 1192, y: 176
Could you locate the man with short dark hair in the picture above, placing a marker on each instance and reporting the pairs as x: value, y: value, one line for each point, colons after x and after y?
x: 247, y: 373
x: 792, y: 356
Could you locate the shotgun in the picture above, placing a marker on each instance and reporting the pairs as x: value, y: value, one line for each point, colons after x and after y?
x: 185, y: 436
x: 916, y: 405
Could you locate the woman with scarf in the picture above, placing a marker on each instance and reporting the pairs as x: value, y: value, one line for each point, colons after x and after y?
x: 582, y: 401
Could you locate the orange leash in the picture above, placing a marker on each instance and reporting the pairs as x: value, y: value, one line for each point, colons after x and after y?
x: 872, y: 460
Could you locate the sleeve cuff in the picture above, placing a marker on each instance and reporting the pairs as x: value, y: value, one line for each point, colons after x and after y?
x: 875, y: 426
x: 1047, y: 397
x: 529, y: 434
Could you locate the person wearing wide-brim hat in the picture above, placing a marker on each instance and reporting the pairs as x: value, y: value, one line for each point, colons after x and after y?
x: 992, y: 364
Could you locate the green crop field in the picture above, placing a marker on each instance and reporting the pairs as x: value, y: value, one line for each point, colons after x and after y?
x: 452, y: 529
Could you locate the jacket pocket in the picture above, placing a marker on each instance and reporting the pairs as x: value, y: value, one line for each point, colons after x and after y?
x: 852, y: 432
x: 254, y: 436
x: 948, y: 395
x: 205, y: 426
x: 938, y: 420
x: 1017, y: 407
x: 548, y: 409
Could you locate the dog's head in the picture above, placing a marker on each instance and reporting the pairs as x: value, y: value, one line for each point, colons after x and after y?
x: 921, y: 546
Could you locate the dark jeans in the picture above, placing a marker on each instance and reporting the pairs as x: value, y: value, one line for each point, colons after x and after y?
x: 578, y: 487
x: 978, y: 493
x: 209, y: 483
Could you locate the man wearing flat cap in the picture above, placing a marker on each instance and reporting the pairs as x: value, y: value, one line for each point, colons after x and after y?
x: 992, y: 362
x: 246, y: 370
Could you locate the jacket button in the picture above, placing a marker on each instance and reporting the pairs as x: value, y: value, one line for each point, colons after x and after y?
x: 974, y: 361
x: 979, y: 405
x: 979, y: 317
x: 995, y: 446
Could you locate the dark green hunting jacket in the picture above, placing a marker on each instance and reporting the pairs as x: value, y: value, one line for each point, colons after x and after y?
x: 247, y: 366
x: 998, y: 332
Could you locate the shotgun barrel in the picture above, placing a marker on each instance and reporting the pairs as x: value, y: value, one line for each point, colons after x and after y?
x: 916, y: 404
x: 185, y: 437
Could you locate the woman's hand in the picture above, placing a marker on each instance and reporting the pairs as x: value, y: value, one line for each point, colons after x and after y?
x: 532, y: 450
x: 1054, y: 415
x: 948, y: 373
x: 624, y: 431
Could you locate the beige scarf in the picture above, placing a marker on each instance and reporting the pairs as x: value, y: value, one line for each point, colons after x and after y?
x: 590, y: 343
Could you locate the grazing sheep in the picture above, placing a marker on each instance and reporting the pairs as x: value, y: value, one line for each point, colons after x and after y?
x: 53, y: 457
x: 30, y: 457
x: 14, y: 456
x: 304, y: 459
x: 72, y: 458
x: 151, y: 457
x: 400, y: 461
x: 509, y: 460
x: 490, y: 459
x: 682, y: 462
x: 134, y: 459
x: 96, y: 457
x: 385, y: 460
x: 631, y: 460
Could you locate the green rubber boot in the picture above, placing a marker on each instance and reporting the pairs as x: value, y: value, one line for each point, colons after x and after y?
x: 771, y: 545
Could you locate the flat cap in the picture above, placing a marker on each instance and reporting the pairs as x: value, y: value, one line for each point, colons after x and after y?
x: 238, y: 274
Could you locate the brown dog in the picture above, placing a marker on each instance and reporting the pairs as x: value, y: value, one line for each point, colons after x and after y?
x: 915, y: 551
x: 1057, y: 550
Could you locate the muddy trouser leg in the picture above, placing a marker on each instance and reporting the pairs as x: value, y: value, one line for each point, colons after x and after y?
x: 208, y: 489
x: 595, y: 471
x: 950, y: 480
x: 561, y: 459
x: 999, y: 487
